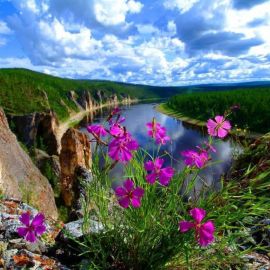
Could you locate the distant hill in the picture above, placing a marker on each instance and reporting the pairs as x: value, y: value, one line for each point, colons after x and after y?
x: 24, y: 91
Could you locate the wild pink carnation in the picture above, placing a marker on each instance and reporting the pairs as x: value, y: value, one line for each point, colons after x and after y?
x: 32, y: 228
x: 204, y: 233
x: 128, y: 194
x: 117, y: 130
x: 218, y: 128
x: 97, y: 130
x: 157, y: 132
x: 163, y: 175
x: 193, y: 158
x: 120, y: 149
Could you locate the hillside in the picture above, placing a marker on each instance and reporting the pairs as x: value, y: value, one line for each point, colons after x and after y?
x: 253, y: 101
x: 24, y: 91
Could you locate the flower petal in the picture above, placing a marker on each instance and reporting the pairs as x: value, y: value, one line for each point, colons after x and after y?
x: 158, y: 163
x: 120, y: 191
x: 165, y: 175
x: 206, y: 233
x: 25, y: 218
x: 227, y: 125
x: 219, y: 119
x: 211, y: 124
x: 30, y: 237
x: 185, y: 226
x: 39, y: 230
x: 38, y: 220
x: 125, y: 156
x: 124, y: 202
x: 198, y: 214
x: 151, y: 178
x: 136, y: 202
x: 149, y: 165
x: 222, y: 132
x: 22, y: 231
x: 129, y: 185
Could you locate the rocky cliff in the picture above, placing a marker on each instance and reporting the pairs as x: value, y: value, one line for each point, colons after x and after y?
x: 19, y: 177
x: 75, y: 152
x: 37, y: 130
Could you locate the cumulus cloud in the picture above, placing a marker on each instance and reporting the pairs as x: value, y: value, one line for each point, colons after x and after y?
x: 155, y: 42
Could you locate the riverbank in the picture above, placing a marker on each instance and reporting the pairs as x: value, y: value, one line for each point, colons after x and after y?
x: 78, y: 116
x: 239, y: 134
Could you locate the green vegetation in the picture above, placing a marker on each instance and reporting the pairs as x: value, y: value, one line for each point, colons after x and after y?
x: 149, y: 238
x: 253, y: 113
x: 24, y: 91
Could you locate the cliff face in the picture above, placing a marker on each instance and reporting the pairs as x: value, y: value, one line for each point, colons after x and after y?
x: 37, y: 130
x: 19, y: 177
x: 75, y: 152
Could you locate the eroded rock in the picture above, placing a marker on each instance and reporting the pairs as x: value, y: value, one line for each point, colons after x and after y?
x: 19, y: 177
x: 37, y: 130
x: 75, y: 152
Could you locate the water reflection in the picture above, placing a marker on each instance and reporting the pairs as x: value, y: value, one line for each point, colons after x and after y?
x: 183, y: 137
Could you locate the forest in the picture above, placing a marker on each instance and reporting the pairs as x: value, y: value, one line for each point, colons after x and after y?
x: 253, y: 113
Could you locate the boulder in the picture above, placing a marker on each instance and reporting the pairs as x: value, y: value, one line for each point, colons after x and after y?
x: 75, y: 152
x: 19, y: 177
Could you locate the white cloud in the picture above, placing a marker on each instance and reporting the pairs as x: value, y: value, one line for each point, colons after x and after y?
x: 4, y: 29
x: 113, y: 12
x: 98, y: 39
x: 182, y: 5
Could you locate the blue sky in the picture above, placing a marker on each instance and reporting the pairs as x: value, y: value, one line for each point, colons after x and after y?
x: 157, y: 42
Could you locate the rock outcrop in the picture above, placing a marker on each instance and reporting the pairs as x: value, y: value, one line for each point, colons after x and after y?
x: 75, y: 152
x: 37, y: 130
x: 19, y: 177
x: 17, y: 253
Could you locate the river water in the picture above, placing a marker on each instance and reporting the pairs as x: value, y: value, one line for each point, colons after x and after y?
x: 183, y: 137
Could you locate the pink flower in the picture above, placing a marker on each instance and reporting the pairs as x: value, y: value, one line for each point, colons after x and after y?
x: 33, y: 228
x: 97, y: 130
x: 164, y: 175
x: 220, y: 127
x: 193, y: 158
x: 157, y: 132
x: 204, y: 233
x: 117, y: 130
x: 120, y: 149
x: 127, y: 194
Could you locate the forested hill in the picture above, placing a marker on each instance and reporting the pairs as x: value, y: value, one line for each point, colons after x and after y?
x: 254, y: 105
x: 24, y: 91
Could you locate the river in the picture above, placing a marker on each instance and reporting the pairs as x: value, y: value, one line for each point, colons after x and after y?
x: 183, y: 137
